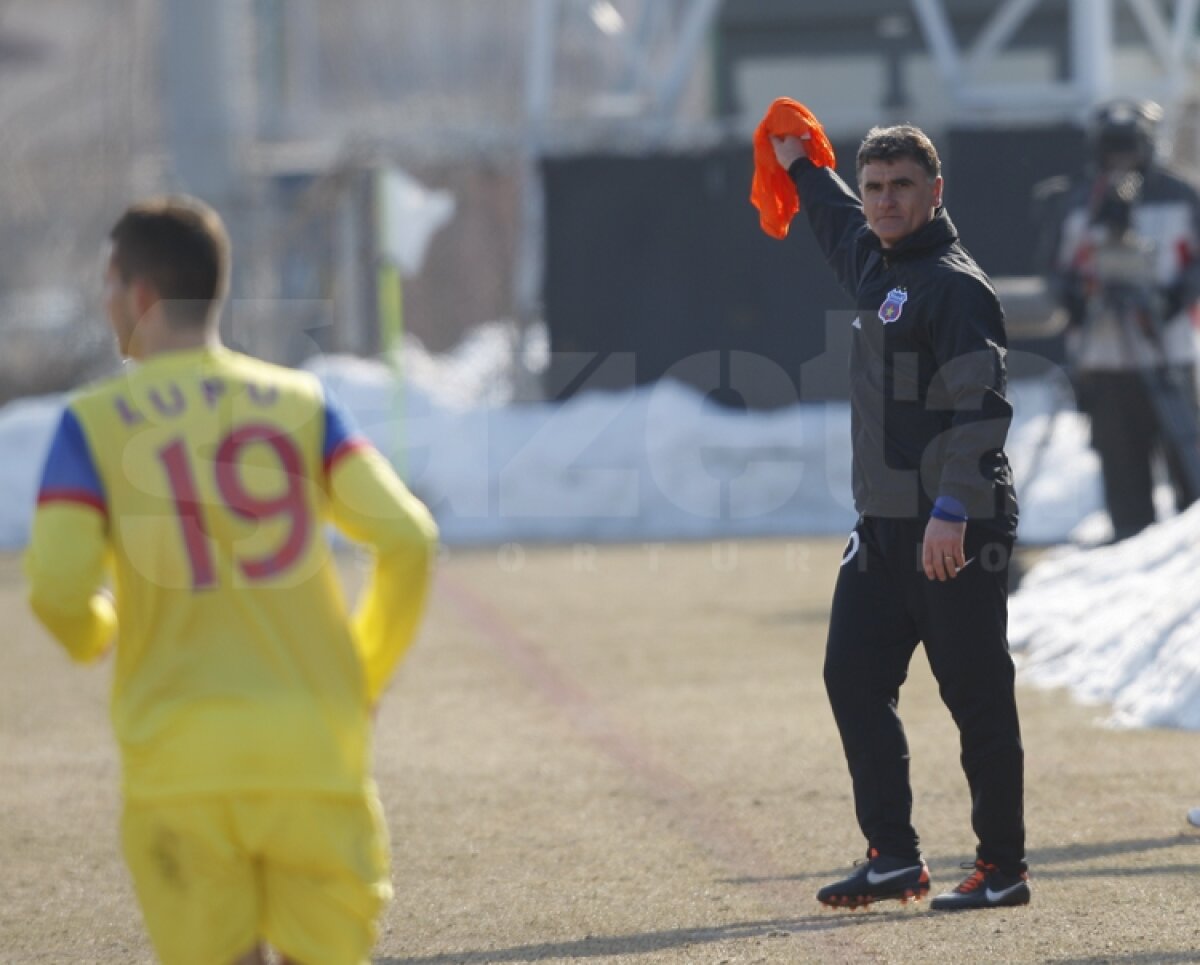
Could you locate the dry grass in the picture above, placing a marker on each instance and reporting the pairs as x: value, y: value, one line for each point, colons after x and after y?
x: 624, y: 754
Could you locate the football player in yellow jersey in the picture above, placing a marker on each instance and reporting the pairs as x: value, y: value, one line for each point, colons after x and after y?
x: 198, y: 484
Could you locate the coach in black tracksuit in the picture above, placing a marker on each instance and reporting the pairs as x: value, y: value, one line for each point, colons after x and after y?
x: 928, y: 560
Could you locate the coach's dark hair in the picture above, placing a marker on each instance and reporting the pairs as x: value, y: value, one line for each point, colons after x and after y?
x: 179, y: 245
x: 894, y: 143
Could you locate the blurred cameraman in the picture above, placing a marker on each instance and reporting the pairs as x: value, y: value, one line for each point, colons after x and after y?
x: 1123, y: 253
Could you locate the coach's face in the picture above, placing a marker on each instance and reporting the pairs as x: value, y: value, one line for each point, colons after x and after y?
x: 898, y: 198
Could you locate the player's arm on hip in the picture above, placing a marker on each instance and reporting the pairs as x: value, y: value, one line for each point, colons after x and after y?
x: 371, y: 505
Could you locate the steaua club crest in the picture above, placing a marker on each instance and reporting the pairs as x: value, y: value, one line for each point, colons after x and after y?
x: 893, y: 305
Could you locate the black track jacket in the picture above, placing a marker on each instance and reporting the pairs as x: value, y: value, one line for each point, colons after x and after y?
x: 928, y: 412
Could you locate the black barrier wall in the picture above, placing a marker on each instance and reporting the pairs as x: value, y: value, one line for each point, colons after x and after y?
x: 656, y: 266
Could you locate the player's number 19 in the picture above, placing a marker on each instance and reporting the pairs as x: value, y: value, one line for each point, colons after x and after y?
x: 289, y: 504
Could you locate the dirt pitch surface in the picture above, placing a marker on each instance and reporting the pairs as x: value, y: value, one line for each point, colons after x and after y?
x: 624, y: 754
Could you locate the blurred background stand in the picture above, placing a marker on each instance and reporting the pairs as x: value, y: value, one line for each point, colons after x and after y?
x: 597, y: 151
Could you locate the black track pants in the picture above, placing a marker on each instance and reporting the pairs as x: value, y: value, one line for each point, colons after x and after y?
x: 883, y: 606
x: 1126, y: 433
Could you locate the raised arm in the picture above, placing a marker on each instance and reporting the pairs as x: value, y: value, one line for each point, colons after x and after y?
x: 835, y: 213
x: 836, y: 217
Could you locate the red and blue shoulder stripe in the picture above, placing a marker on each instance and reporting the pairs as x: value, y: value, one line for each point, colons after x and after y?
x: 341, y: 435
x: 70, y: 474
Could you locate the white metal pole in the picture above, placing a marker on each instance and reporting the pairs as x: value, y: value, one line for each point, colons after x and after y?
x: 301, y: 41
x: 998, y: 31
x: 695, y: 28
x: 539, y: 84
x: 205, y: 74
x: 1091, y: 49
x: 1183, y: 32
x: 939, y: 38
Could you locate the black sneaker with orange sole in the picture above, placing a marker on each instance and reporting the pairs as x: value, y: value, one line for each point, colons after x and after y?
x: 879, y: 878
x: 985, y: 887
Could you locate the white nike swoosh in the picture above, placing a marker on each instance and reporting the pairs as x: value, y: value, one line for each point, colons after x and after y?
x: 877, y: 878
x: 1003, y: 893
x: 856, y: 323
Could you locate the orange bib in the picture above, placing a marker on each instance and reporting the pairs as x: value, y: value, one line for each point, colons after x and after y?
x: 772, y: 190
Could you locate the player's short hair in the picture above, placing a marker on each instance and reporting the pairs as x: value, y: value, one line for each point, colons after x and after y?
x: 180, y: 246
x: 895, y: 143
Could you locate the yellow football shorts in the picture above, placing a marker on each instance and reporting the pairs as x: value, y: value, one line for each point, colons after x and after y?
x: 214, y: 876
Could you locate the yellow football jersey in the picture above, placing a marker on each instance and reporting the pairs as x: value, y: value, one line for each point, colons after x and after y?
x: 199, y: 484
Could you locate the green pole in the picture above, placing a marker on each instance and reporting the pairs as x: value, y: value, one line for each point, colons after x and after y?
x: 389, y: 300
